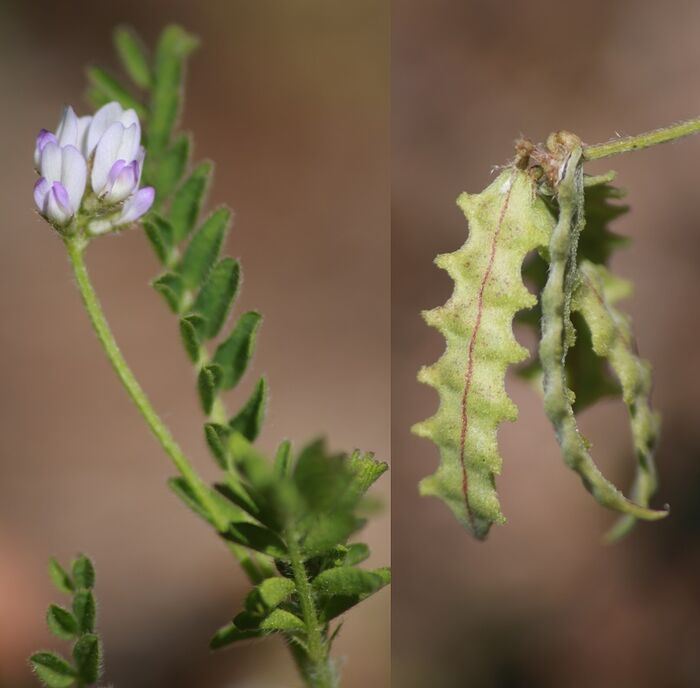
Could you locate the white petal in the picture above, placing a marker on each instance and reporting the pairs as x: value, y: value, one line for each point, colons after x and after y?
x: 103, y: 118
x: 129, y: 117
x: 67, y: 129
x: 50, y: 164
x: 74, y: 175
x: 129, y: 147
x: 106, y: 156
x: 83, y: 126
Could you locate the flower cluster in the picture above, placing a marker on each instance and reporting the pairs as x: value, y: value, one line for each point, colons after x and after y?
x: 92, y: 165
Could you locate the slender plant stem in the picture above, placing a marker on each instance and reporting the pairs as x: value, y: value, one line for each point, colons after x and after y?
x: 321, y: 674
x: 76, y: 246
x: 649, y: 138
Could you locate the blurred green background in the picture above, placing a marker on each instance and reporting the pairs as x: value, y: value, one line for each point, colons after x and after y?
x: 542, y: 604
x: 291, y: 100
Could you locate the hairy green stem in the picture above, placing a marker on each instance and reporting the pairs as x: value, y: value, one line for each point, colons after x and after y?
x: 321, y: 674
x: 76, y: 246
x: 645, y: 140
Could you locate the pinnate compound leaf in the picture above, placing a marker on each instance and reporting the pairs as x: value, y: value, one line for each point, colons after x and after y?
x: 174, y: 46
x: 84, y: 573
x: 203, y: 249
x: 132, y: 54
x: 110, y: 88
x: 216, y: 296
x: 248, y: 421
x: 506, y: 222
x: 87, y: 654
x: 52, y: 670
x: 60, y: 577
x: 84, y: 610
x: 61, y: 622
x: 557, y: 338
x: 235, y: 352
x: 188, y: 201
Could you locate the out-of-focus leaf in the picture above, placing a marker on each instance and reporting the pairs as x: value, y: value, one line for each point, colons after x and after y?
x: 230, y: 634
x: 174, y: 46
x: 83, y: 573
x: 133, y: 56
x: 61, y: 622
x: 52, y: 670
x: 59, y: 577
x: 87, y: 654
x: 104, y: 82
x: 84, y: 610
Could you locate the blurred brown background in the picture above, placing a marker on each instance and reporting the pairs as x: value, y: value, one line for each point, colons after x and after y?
x: 291, y: 101
x: 542, y: 603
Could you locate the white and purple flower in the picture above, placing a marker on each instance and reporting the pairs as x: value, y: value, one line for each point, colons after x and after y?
x: 59, y: 191
x: 107, y: 147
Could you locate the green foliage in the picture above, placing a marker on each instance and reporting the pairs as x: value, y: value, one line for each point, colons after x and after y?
x: 61, y: 622
x: 60, y: 577
x: 78, y: 626
x: 287, y: 521
x: 52, y: 670
x: 587, y: 349
x: 133, y: 56
x: 302, y: 517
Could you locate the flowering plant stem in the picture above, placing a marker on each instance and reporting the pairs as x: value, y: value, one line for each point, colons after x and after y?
x: 645, y: 140
x: 76, y: 245
x: 321, y: 674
